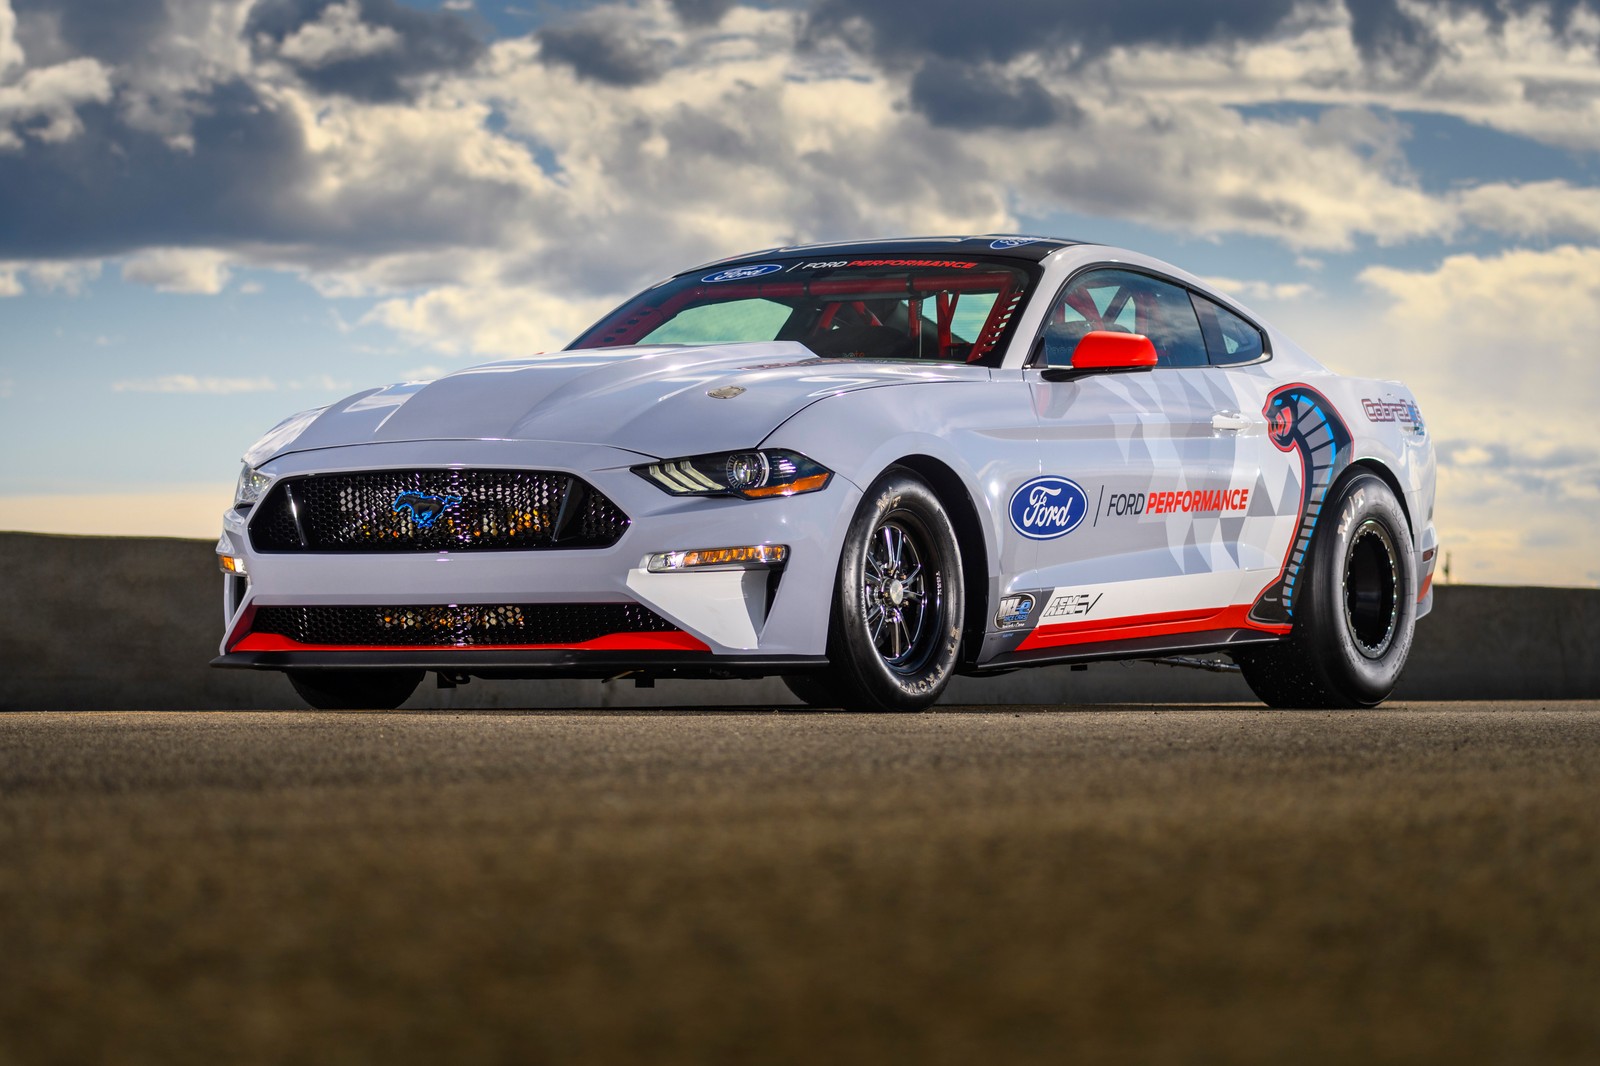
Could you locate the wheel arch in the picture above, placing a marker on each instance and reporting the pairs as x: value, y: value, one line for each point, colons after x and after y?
x: 1374, y: 466
x: 964, y: 518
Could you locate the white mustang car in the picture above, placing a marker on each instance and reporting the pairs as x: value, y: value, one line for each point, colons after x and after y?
x: 863, y: 467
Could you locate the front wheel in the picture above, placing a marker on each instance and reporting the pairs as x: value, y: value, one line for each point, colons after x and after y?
x: 895, y: 628
x: 1358, y: 610
x: 350, y: 690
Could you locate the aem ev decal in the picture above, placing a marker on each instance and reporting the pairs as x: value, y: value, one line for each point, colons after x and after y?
x: 742, y: 273
x: 1070, y: 605
x: 1048, y: 507
x: 425, y: 509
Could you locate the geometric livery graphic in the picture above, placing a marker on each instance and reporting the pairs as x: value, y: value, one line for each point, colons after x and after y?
x: 1302, y: 420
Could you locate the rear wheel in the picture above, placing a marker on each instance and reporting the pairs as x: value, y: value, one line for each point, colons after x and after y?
x: 1354, y: 624
x: 348, y: 690
x: 895, y: 628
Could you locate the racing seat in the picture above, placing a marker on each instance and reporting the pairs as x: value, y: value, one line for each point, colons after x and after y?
x: 862, y: 342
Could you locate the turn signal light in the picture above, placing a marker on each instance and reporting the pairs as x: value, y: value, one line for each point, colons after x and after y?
x: 749, y: 557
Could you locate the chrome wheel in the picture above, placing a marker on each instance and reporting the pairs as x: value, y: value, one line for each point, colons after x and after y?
x: 896, y: 596
x: 1371, y: 589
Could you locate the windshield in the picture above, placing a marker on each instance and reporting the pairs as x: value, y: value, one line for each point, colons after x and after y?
x: 922, y: 307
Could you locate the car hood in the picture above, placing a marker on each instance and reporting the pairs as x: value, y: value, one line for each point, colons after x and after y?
x: 652, y: 400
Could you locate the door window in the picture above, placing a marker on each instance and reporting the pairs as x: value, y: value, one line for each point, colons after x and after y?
x: 1125, y: 302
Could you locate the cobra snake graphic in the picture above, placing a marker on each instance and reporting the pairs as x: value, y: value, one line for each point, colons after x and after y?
x: 1301, y: 419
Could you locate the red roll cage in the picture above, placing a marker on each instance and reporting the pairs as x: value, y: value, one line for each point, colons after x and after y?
x: 632, y: 322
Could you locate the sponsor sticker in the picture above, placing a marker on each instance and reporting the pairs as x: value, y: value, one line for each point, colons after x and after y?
x: 1048, y: 507
x: 1014, y: 611
x: 1070, y: 605
x: 1012, y: 242
x: 1403, y: 412
x: 948, y: 263
x: 1198, y: 501
x: 741, y: 273
x: 829, y: 264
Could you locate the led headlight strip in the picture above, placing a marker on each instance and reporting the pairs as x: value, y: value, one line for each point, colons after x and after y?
x: 748, y: 557
x: 752, y: 475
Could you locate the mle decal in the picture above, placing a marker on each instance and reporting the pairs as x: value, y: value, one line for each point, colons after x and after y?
x: 1048, y: 507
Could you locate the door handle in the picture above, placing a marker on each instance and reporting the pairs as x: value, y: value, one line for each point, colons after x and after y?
x: 1230, y: 421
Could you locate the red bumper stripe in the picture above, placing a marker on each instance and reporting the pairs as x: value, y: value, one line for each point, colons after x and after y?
x: 675, y: 641
x: 1139, y: 627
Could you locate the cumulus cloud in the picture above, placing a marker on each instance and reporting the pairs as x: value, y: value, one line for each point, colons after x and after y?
x: 488, y: 320
x: 1496, y: 348
x: 337, y: 35
x: 191, y: 384
x: 11, y: 54
x: 43, y: 104
x: 376, y: 50
x: 1261, y: 290
x: 189, y: 270
x: 68, y: 277
x: 1539, y: 209
x: 602, y: 50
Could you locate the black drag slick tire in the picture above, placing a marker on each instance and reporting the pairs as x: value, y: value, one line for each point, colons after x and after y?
x: 352, y: 690
x: 895, y: 628
x: 1357, y: 615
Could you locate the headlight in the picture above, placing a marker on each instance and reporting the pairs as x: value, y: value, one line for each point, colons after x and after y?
x: 252, y: 483
x: 753, y: 475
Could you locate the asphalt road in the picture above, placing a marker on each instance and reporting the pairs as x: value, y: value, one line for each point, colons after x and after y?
x: 1131, y: 884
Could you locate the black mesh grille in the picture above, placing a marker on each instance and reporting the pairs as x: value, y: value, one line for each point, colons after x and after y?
x: 466, y: 625
x: 435, y: 510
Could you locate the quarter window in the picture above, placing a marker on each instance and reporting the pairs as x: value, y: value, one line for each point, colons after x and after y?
x: 1125, y: 302
x: 1229, y: 339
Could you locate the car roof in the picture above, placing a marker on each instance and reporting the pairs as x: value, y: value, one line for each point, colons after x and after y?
x: 1011, y: 245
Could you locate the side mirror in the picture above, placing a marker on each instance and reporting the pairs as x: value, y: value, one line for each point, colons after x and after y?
x: 1105, y: 351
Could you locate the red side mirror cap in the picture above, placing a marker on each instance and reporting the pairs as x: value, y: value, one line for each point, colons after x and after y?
x: 1106, y: 350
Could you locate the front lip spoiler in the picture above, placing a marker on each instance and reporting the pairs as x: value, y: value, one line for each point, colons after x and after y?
x: 530, y: 665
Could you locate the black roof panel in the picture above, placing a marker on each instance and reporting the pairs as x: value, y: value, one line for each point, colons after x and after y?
x: 1013, y: 245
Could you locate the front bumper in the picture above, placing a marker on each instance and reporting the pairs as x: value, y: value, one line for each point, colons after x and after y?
x: 748, y: 622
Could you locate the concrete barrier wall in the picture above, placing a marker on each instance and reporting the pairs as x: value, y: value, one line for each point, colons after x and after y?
x: 109, y: 623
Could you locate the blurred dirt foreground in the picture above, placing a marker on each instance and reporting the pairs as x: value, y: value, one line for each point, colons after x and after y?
x: 1133, y: 884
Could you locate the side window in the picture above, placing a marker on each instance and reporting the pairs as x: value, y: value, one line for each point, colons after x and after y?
x: 1122, y: 301
x: 1230, y: 339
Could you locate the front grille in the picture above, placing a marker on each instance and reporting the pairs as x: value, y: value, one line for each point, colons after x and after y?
x: 466, y: 625
x: 435, y: 510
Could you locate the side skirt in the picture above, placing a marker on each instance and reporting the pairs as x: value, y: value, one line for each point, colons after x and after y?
x: 1139, y: 648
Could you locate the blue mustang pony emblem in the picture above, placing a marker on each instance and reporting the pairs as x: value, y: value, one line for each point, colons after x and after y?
x: 425, y: 509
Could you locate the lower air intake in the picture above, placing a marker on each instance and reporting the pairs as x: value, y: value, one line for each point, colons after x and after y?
x: 466, y: 625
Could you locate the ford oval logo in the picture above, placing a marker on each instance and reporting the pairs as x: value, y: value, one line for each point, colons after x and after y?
x: 1012, y: 242
x: 742, y: 273
x: 1048, y: 507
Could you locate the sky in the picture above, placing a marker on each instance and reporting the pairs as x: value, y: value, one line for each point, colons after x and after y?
x: 215, y: 213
